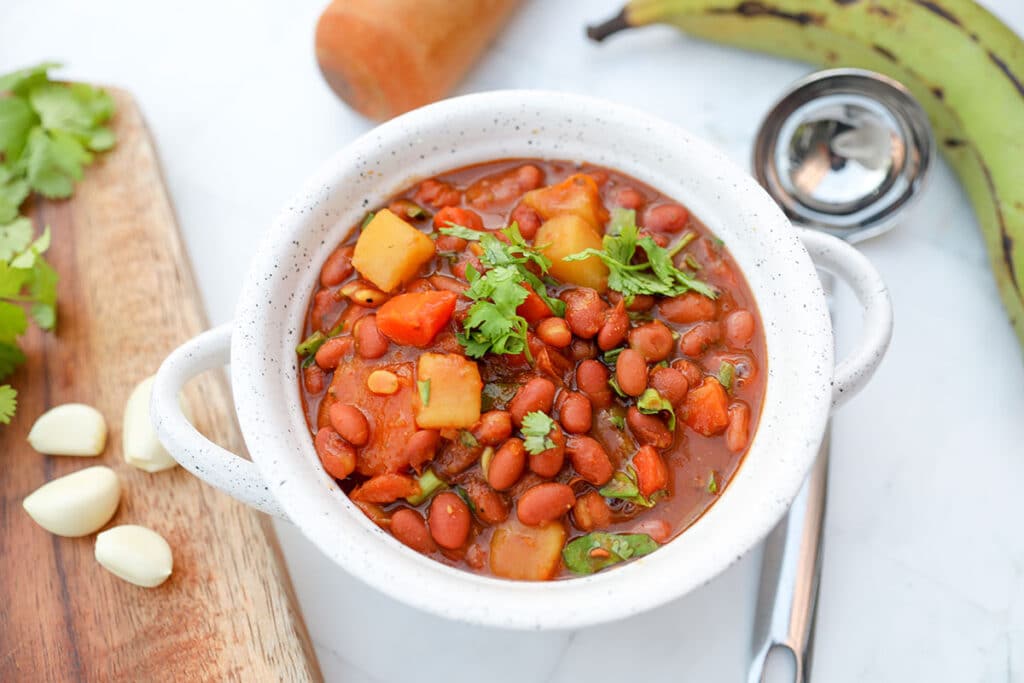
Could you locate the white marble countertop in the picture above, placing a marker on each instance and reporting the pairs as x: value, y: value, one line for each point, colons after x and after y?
x: 924, y: 556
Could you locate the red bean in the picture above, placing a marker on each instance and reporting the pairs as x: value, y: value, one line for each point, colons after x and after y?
x: 507, y: 465
x: 537, y: 394
x: 737, y: 434
x: 582, y: 349
x: 337, y: 267
x: 614, y: 329
x: 313, y: 378
x: 549, y: 463
x: 591, y: 512
x: 544, y: 503
x: 527, y: 219
x: 666, y: 218
x: 652, y: 340
x: 651, y: 471
x: 658, y: 529
x: 409, y: 527
x: 576, y: 413
x: 691, y: 371
x: 688, y: 308
x: 739, y: 329
x: 332, y: 351
x: 629, y: 198
x: 459, y: 269
x: 421, y: 447
x: 459, y: 216
x: 324, y: 304
x: 631, y: 372
x: 449, y: 520
x: 529, y: 177
x: 648, y: 429
x: 370, y: 342
x: 590, y: 460
x: 489, y: 505
x: 555, y: 332
x: 640, y: 302
x: 670, y: 383
x: 699, y: 338
x: 592, y: 380
x: 350, y: 422
x: 447, y: 284
x: 337, y: 457
x: 450, y: 243
x: 437, y: 194
x: 493, y: 428
x: 584, y: 311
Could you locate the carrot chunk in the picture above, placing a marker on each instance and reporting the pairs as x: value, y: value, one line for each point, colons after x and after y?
x: 706, y: 410
x: 415, y: 318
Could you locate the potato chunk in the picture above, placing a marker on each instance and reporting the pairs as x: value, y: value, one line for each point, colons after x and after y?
x: 390, y: 251
x: 453, y: 394
x: 577, y: 195
x: 569, y: 234
x: 526, y: 553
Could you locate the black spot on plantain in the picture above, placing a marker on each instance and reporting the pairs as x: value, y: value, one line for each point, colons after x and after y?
x: 938, y: 92
x: 937, y: 9
x: 881, y: 11
x: 1006, y: 241
x: 1005, y: 68
x: 953, y: 142
x: 841, y: 3
x: 752, y: 8
x: 886, y: 53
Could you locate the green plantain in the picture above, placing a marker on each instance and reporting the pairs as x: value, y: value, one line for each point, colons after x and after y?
x: 963, y: 65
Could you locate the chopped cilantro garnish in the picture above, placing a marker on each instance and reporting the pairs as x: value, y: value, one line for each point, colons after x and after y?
x: 655, y: 275
x: 424, y: 388
x: 597, y: 550
x: 712, y: 483
x: 618, y: 421
x: 624, y: 486
x: 610, y: 357
x: 726, y: 375
x: 537, y: 428
x: 652, y: 403
x: 467, y: 439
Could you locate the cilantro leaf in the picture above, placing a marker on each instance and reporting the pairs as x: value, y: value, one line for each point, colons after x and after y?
x: 537, y: 428
x: 8, y: 403
x: 14, y: 237
x: 652, y: 403
x: 624, y: 486
x: 16, y: 120
x: 726, y: 375
x: 10, y: 358
x: 492, y: 324
x: 77, y: 109
x: 656, y: 275
x: 18, y: 82
x: 13, y: 321
x: 598, y: 550
x: 54, y: 162
x: 712, y: 483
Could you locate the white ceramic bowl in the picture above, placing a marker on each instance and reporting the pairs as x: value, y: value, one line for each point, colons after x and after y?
x: 285, y: 477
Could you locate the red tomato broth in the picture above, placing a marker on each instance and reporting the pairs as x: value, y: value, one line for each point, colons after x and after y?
x: 692, y: 460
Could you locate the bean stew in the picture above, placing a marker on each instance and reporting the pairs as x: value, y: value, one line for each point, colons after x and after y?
x: 532, y: 369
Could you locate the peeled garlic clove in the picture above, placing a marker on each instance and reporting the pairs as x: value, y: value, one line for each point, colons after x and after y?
x: 136, y: 554
x: 69, y: 429
x: 141, y: 447
x: 76, y: 504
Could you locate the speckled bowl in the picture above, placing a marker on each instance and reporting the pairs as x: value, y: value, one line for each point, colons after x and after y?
x: 285, y: 477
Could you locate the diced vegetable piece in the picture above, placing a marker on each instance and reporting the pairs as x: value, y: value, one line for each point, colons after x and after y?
x: 429, y: 484
x: 386, y: 488
x: 526, y: 553
x: 454, y: 391
x: 568, y: 234
x: 651, y: 471
x: 577, y: 195
x: 707, y: 408
x: 595, y: 551
x: 414, y: 319
x: 390, y: 251
x: 533, y: 309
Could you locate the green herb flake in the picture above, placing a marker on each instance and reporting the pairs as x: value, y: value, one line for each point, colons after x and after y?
x: 464, y: 495
x: 599, y: 550
x: 652, y: 403
x: 311, y: 344
x: 656, y: 275
x: 726, y: 375
x: 691, y: 261
x: 366, y: 219
x: 712, y: 486
x: 624, y: 487
x: 8, y: 403
x: 424, y: 388
x: 610, y: 357
x: 537, y: 427
x: 618, y: 421
x: 429, y: 484
x: 614, y: 384
x: 467, y: 439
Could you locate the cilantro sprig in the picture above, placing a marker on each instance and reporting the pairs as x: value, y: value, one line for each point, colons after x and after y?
x: 49, y: 132
x: 656, y: 274
x: 492, y: 324
x: 537, y: 428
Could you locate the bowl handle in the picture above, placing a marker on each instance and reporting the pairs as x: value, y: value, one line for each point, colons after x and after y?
x: 836, y: 256
x: 236, y: 476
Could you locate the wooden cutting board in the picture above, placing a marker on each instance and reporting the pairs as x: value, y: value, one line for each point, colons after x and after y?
x: 126, y: 298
